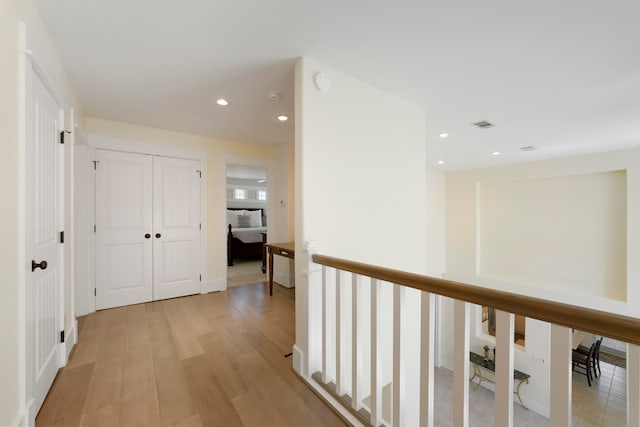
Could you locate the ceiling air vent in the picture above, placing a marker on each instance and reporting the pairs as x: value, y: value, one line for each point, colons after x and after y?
x: 483, y: 124
x: 528, y: 148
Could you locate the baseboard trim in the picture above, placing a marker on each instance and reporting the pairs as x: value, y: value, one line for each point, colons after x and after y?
x: 23, y: 417
x: 331, y: 402
x: 298, y: 360
x: 214, y: 285
x: 282, y: 279
x: 71, y: 338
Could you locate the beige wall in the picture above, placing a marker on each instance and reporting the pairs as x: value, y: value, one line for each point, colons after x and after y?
x: 219, y: 152
x: 357, y: 148
x: 575, y: 220
x: 12, y: 12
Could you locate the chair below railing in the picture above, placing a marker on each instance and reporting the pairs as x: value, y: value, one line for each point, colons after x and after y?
x: 366, y: 341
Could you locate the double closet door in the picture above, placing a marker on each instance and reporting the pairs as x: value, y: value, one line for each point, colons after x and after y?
x: 147, y: 228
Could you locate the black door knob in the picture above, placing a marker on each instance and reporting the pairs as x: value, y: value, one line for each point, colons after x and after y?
x: 147, y: 236
x: 158, y: 235
x: 42, y: 265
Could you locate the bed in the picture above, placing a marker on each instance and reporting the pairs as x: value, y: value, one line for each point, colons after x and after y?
x: 246, y: 235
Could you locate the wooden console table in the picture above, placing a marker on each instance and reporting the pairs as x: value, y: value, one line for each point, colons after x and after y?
x: 479, y: 365
x: 287, y: 250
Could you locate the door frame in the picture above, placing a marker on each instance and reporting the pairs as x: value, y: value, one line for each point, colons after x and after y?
x: 84, y: 297
x: 272, y: 205
x: 28, y: 68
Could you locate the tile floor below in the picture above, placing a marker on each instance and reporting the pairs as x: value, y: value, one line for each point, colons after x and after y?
x: 603, y: 404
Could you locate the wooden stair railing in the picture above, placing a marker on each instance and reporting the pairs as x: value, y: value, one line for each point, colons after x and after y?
x: 333, y: 344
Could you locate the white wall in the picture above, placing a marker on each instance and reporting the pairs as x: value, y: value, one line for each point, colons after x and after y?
x: 356, y: 149
x: 219, y: 153
x: 576, y: 220
x: 12, y: 268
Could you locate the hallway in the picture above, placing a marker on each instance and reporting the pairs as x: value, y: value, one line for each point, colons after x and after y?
x: 214, y: 359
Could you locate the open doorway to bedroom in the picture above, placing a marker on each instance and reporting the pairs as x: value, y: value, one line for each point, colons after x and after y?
x: 247, y: 198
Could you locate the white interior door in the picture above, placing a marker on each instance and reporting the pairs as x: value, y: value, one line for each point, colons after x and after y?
x: 44, y: 210
x: 176, y: 227
x: 123, y: 229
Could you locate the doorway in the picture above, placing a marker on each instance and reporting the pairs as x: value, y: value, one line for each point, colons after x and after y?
x: 246, y: 217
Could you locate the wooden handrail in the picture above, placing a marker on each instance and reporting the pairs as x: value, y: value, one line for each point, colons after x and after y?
x: 616, y: 326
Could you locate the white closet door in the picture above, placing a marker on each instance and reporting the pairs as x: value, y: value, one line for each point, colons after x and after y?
x: 123, y: 229
x: 176, y: 227
x: 44, y: 222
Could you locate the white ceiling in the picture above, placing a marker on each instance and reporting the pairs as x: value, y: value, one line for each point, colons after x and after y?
x: 246, y: 172
x: 562, y: 75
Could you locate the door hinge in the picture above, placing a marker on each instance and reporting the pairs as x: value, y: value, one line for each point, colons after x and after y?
x: 200, y: 226
x: 61, y: 336
x: 94, y: 228
x: 201, y: 277
x: 199, y: 173
x: 62, y: 135
x: 95, y: 293
x: 95, y: 164
x: 62, y: 236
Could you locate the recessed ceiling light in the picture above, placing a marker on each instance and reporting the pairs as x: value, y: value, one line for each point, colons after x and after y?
x: 441, y: 162
x: 495, y: 153
x: 283, y: 118
x: 529, y: 148
x: 443, y: 134
x: 222, y: 102
x: 262, y: 180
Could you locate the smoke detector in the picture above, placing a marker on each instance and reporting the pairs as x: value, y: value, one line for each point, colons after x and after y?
x: 274, y: 95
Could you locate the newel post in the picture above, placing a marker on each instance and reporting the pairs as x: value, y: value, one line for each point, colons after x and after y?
x: 307, y: 350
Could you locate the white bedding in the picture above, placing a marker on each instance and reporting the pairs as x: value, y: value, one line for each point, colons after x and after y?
x: 249, y: 235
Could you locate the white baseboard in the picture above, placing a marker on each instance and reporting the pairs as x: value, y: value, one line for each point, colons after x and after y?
x: 25, y: 418
x: 214, y: 285
x: 283, y: 279
x: 70, y: 339
x: 331, y: 401
x: 298, y: 360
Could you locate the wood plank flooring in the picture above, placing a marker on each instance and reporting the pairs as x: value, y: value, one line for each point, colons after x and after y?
x: 204, y: 360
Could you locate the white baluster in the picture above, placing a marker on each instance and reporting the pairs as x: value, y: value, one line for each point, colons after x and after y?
x: 339, y: 336
x: 376, y: 354
x: 427, y: 347
x: 560, y: 373
x: 461, y: 364
x: 325, y: 319
x: 633, y: 385
x: 356, y: 346
x: 503, y: 409
x: 398, y: 380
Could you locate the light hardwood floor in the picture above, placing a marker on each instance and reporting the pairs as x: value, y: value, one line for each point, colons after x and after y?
x: 204, y: 360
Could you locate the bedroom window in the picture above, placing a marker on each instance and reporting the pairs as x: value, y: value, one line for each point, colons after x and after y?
x: 239, y: 194
x: 262, y: 195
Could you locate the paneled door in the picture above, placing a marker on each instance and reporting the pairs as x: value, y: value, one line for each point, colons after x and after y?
x: 123, y: 229
x: 44, y: 219
x: 176, y: 227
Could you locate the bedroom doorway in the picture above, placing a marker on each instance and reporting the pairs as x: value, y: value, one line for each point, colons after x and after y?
x: 247, y: 199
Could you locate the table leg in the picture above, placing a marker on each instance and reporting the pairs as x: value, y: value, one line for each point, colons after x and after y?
x: 270, y: 272
x: 476, y: 373
x: 517, y: 392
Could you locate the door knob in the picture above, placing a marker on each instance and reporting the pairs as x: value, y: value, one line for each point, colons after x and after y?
x: 42, y: 265
x: 146, y: 236
x: 158, y: 235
